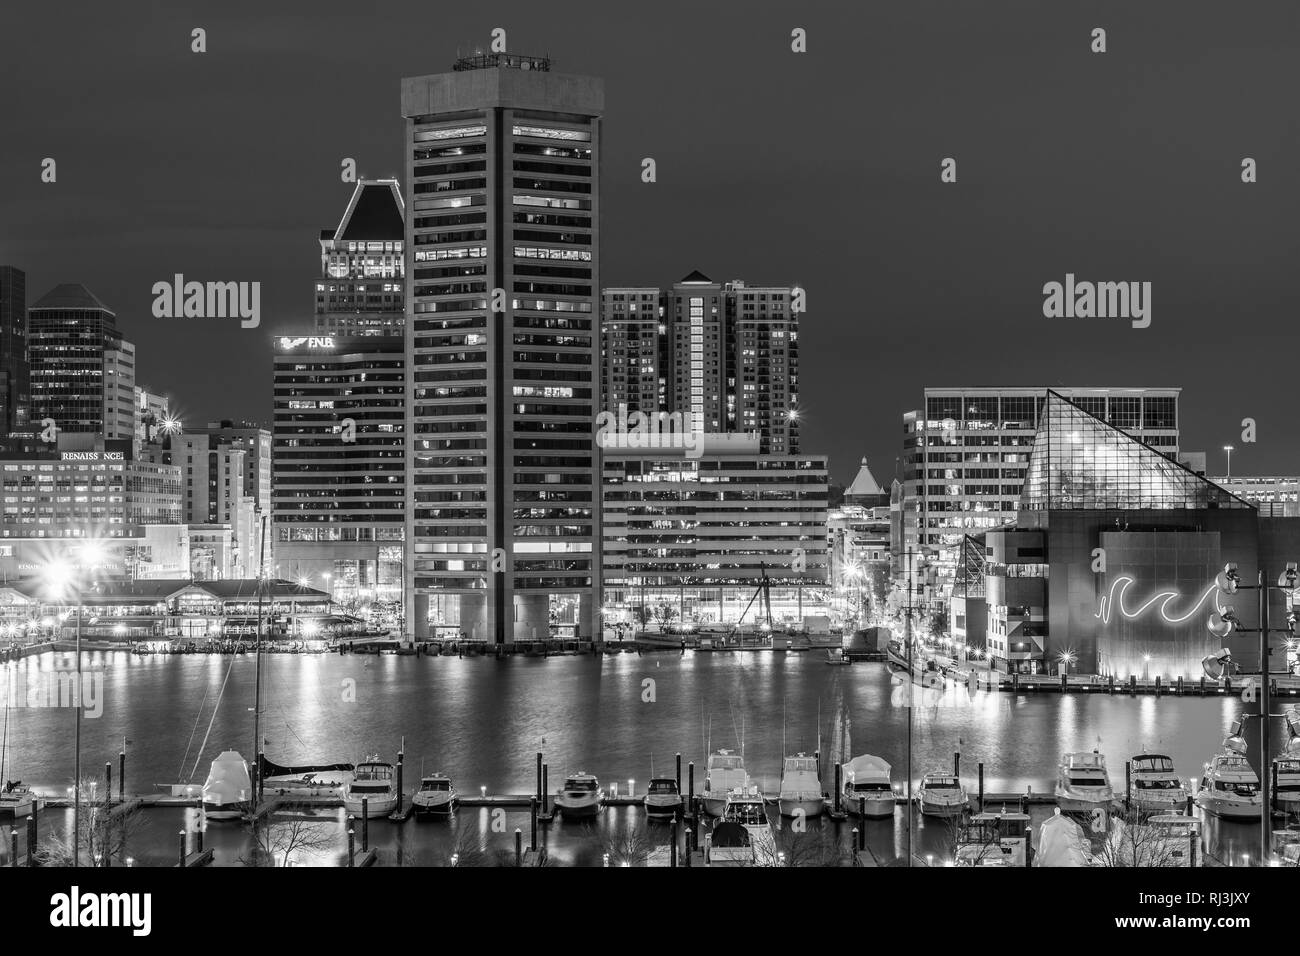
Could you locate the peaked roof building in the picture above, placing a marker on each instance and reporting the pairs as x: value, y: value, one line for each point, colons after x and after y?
x: 864, y: 489
x: 361, y: 289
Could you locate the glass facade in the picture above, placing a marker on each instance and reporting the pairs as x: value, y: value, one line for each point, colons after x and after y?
x: 1079, y: 462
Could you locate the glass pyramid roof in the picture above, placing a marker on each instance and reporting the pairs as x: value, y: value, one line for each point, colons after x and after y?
x: 1080, y: 463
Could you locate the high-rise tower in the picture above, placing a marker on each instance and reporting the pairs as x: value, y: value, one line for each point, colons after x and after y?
x: 502, y: 239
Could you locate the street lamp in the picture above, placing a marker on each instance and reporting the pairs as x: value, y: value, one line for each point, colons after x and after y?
x: 1228, y: 449
x: 1222, y: 624
x: 1067, y: 658
x: 61, y: 580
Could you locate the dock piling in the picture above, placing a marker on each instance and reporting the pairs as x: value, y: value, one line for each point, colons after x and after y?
x: 956, y: 764
x: 546, y: 796
x: 1110, y: 684
x: 182, y: 848
x: 365, y: 824
x: 672, y: 853
x: 539, y: 776
x: 401, y: 757
x: 519, y: 847
x: 1157, y: 685
x: 108, y: 781
x: 839, y: 786
x: 13, y: 846
x: 981, y: 769
x: 31, y: 837
x: 679, y: 773
x: 532, y: 816
x: 862, y: 815
x: 121, y: 776
x: 1128, y: 786
x: 198, y: 839
x: 351, y: 845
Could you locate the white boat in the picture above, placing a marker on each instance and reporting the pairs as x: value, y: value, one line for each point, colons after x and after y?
x: 228, y: 791
x: 663, y: 800
x: 436, y: 796
x: 1230, y: 788
x: 724, y: 773
x: 801, y: 787
x: 993, y: 839
x: 868, y: 789
x: 1082, y: 784
x: 941, y: 795
x: 1156, y: 786
x: 372, y: 782
x: 1286, y: 768
x: 1164, y: 839
x: 580, y: 796
x: 1062, y: 843
x: 744, y: 808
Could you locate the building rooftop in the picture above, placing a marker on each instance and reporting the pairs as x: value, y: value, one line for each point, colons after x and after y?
x: 375, y: 213
x: 695, y: 276
x: 864, y: 484
x: 513, y: 61
x: 71, y: 295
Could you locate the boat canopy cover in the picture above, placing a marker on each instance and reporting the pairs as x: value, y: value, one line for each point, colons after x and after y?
x: 730, y: 834
x: 276, y: 770
x: 228, y: 780
x: 1061, y: 842
x: 866, y: 767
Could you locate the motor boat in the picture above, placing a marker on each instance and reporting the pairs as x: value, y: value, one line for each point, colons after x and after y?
x: 1155, y: 785
x: 1230, y: 788
x: 1082, y: 784
x: 580, y: 796
x: 228, y: 791
x: 728, y: 844
x: 868, y: 790
x: 724, y: 773
x: 801, y: 787
x: 1286, y: 768
x: 941, y: 795
x: 436, y: 796
x: 663, y: 800
x: 993, y: 839
x: 745, y: 808
x: 372, y: 790
x: 1062, y: 843
x: 18, y: 800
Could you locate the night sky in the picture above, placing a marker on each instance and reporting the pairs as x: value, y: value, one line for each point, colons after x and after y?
x: 819, y: 169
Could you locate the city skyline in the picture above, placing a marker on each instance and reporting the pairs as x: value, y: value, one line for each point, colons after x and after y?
x: 925, y: 264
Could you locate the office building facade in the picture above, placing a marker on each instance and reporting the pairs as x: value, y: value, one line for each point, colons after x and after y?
x: 502, y: 240
x: 82, y: 371
x: 965, y: 455
x: 339, y: 460
x: 14, y: 379
x: 361, y: 290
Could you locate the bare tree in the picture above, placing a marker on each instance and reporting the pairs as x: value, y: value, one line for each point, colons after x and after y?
x: 276, y: 842
x: 1133, y: 841
x: 794, y: 845
x: 627, y: 847
x: 103, y: 833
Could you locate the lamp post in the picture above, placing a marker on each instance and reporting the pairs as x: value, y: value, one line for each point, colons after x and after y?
x: 1228, y: 449
x: 61, y: 580
x: 1224, y: 622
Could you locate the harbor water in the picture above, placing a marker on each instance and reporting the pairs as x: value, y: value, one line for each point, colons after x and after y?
x: 482, y: 721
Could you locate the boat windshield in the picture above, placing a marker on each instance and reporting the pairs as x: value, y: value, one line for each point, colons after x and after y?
x: 726, y: 762
x: 794, y: 764
x: 584, y: 784
x: 1157, y: 784
x: 1077, y: 780
x: 369, y: 787
x: 750, y: 814
x: 1235, y: 786
x: 374, y: 771
x: 436, y: 786
x: 663, y: 786
x: 942, y: 783
x: 881, y: 787
x: 1288, y: 766
x: 1152, y: 763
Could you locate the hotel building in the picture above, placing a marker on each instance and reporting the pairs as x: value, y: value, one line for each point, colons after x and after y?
x: 361, y: 290
x: 502, y: 239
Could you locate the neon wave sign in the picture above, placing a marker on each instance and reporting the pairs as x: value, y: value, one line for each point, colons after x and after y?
x: 1114, y: 601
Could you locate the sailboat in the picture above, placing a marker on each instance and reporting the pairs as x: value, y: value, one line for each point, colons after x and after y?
x: 16, y: 799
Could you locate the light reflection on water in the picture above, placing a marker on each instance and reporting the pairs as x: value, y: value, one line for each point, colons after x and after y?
x: 482, y: 721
